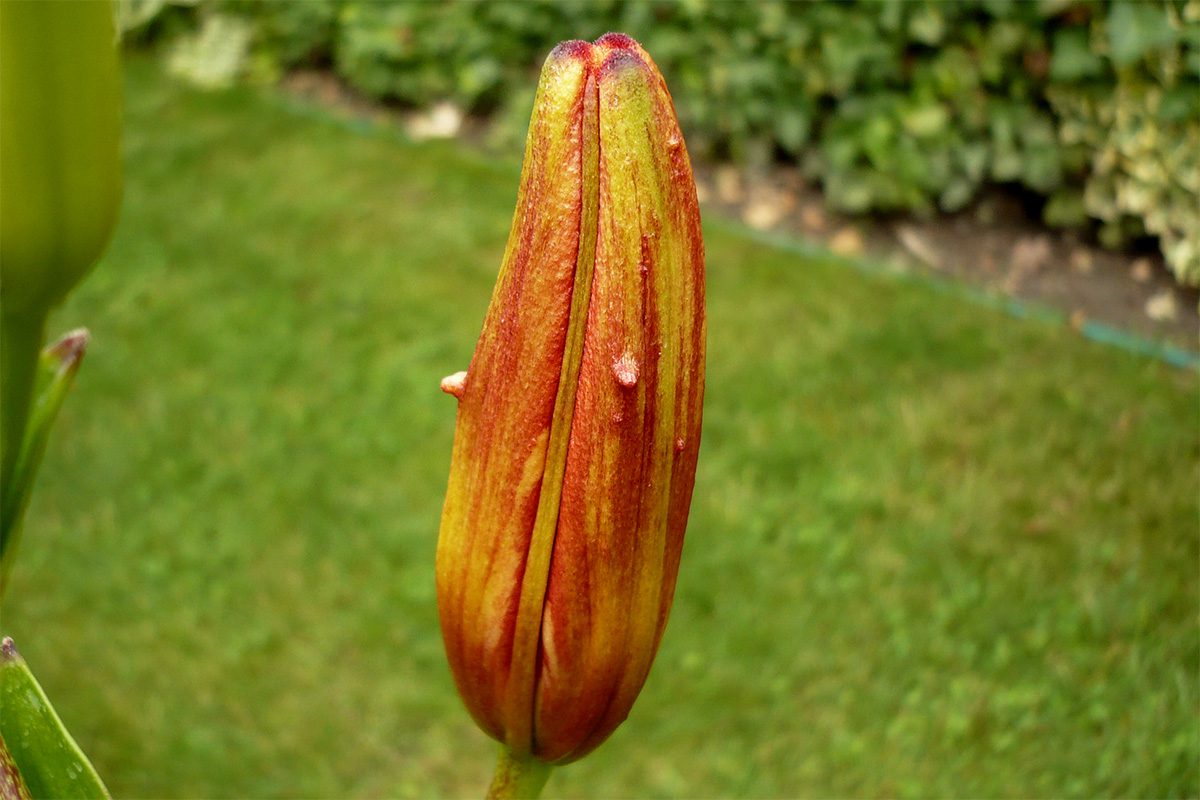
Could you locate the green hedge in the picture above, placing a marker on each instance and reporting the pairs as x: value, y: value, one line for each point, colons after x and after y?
x: 891, y: 105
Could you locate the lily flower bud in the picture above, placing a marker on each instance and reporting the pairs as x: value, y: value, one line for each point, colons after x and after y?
x: 579, y: 416
x: 60, y: 161
x: 60, y: 177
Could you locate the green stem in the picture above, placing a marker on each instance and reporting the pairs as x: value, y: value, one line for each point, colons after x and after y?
x: 21, y: 339
x: 517, y: 777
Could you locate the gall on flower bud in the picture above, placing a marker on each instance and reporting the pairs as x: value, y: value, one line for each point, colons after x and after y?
x: 579, y: 416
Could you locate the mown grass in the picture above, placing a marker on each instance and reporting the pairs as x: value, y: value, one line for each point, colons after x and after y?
x: 935, y: 551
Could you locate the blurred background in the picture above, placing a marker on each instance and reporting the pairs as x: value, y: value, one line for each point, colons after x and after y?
x: 1077, y: 116
x: 946, y: 533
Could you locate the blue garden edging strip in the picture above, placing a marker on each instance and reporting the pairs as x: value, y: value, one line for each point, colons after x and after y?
x: 1173, y: 355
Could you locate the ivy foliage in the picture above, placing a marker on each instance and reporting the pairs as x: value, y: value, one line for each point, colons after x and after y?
x: 892, y: 105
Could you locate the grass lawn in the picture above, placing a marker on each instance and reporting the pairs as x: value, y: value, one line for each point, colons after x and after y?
x: 934, y: 550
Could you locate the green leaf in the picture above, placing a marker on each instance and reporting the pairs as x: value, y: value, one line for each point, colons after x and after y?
x: 956, y: 194
x: 55, y: 375
x: 215, y: 55
x: 1065, y: 209
x: 49, y: 760
x: 927, y: 25
x: 1135, y: 29
x: 926, y: 120
x: 1073, y: 58
x: 792, y: 128
x: 1179, y: 104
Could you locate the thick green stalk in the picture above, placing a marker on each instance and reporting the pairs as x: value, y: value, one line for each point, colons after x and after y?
x: 517, y: 777
x: 21, y: 339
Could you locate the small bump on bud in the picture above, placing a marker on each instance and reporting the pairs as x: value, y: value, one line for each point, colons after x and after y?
x: 455, y: 384
x: 625, y: 370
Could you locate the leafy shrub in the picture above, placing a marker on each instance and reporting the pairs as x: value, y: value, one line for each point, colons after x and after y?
x: 1133, y: 114
x: 890, y: 104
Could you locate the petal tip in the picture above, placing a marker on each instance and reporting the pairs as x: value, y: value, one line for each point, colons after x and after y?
x: 570, y: 50
x: 620, y: 61
x: 617, y: 41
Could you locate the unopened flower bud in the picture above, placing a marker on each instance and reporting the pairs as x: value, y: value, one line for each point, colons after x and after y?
x: 579, y: 416
x: 60, y: 163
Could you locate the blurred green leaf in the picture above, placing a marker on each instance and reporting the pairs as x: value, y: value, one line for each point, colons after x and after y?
x: 927, y: 120
x: 55, y: 375
x: 792, y: 127
x: 927, y: 25
x: 956, y: 194
x: 1137, y: 28
x: 1065, y: 209
x: 215, y: 55
x: 1073, y: 58
x: 51, y: 763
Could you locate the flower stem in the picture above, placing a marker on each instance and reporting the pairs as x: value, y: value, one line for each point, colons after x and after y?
x: 20, y: 344
x: 517, y: 777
